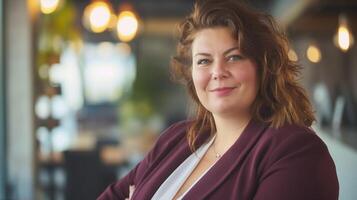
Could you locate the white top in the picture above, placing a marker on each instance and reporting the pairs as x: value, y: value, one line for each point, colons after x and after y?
x: 173, y: 183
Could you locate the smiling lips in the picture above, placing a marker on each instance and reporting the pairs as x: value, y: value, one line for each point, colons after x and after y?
x: 222, y: 91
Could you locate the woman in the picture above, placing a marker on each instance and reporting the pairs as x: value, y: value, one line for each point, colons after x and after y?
x: 251, y: 136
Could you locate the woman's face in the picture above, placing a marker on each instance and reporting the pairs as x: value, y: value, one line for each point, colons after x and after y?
x: 225, y: 81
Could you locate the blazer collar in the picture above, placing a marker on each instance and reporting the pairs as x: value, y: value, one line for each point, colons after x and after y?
x: 232, y: 159
x: 177, y: 151
x: 229, y: 161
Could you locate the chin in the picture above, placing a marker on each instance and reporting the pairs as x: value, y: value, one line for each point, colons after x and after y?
x: 223, y: 110
x: 227, y: 110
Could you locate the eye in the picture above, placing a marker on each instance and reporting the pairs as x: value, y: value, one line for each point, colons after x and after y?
x: 235, y: 58
x: 204, y: 61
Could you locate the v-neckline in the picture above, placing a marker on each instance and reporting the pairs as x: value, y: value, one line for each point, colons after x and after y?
x: 203, y: 153
x: 230, y: 160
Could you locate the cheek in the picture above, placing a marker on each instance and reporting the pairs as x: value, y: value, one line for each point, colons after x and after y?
x: 246, y: 76
x: 250, y: 78
x: 200, y: 79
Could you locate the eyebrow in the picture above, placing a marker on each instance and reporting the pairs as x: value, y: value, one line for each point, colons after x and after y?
x: 224, y: 53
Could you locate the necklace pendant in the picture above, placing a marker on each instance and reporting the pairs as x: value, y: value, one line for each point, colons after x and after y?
x: 218, y: 155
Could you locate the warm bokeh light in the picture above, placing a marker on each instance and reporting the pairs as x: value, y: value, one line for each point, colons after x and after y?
x: 313, y: 53
x: 127, y: 26
x: 97, y: 16
x: 292, y: 55
x: 343, y: 38
x: 48, y: 6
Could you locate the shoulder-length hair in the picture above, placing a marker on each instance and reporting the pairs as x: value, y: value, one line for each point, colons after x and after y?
x: 280, y: 98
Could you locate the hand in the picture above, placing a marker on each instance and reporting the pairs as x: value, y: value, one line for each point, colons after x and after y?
x: 131, y: 191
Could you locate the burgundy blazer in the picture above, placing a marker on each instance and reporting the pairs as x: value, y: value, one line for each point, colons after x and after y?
x: 288, y: 163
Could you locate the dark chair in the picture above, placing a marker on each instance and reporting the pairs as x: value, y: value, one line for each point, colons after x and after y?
x: 86, y: 176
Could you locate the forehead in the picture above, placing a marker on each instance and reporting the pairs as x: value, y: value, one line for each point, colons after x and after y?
x: 211, y: 40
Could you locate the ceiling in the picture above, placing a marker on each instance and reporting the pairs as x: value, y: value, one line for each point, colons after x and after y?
x: 320, y: 17
x: 167, y: 8
x: 159, y: 17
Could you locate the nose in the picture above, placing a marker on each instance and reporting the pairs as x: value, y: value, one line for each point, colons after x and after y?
x: 219, y: 71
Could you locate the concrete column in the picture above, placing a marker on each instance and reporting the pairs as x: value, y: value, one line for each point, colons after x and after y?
x: 2, y: 108
x: 19, y: 91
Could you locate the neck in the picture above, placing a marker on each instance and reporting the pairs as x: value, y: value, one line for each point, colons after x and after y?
x: 229, y: 130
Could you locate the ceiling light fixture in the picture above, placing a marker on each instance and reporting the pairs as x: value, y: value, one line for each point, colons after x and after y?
x: 343, y: 38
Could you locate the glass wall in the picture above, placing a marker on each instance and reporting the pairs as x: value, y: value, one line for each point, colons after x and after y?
x: 100, y: 96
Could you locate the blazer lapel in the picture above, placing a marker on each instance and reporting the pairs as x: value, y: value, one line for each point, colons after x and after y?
x: 232, y: 159
x: 158, y: 173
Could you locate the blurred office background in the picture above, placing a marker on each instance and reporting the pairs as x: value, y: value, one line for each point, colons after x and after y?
x: 85, y: 87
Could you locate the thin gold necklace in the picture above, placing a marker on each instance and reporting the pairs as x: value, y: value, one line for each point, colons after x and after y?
x: 218, y: 155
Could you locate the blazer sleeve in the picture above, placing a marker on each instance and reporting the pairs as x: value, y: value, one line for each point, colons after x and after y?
x: 120, y: 189
x: 300, y: 167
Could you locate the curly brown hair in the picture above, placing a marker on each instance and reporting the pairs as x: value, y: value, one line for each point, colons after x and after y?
x: 280, y: 98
